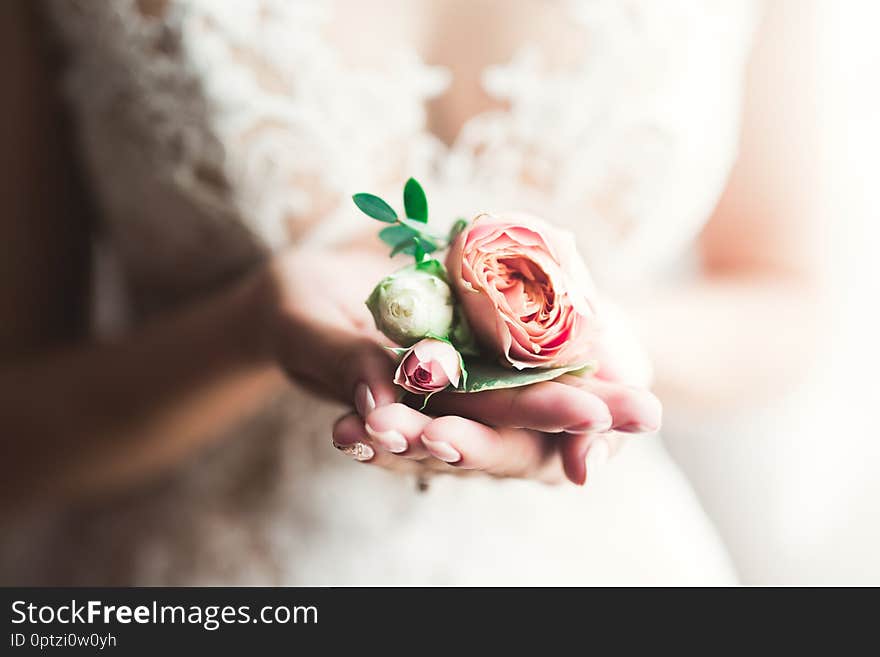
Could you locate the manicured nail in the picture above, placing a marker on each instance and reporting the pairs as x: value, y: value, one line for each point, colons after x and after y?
x: 597, y: 457
x: 364, y: 401
x: 359, y: 451
x: 441, y: 450
x: 590, y: 427
x: 634, y: 428
x: 391, y: 440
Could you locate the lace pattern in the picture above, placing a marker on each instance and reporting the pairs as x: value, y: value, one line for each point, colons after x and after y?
x: 248, y: 130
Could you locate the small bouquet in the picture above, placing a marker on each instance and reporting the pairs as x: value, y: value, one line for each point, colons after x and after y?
x: 513, y: 305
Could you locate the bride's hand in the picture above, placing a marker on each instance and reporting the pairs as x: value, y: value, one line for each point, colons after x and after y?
x: 548, y: 431
x: 320, y: 330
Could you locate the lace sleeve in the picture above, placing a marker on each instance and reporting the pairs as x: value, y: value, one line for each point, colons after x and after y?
x: 230, y: 126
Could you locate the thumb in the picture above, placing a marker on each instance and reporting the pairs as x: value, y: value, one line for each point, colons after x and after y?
x: 342, y: 364
x: 366, y: 373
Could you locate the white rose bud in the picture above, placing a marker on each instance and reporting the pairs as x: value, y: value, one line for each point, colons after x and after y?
x: 411, y: 304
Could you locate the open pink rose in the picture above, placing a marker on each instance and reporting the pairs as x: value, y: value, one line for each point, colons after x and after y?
x: 525, y: 290
x: 428, y: 366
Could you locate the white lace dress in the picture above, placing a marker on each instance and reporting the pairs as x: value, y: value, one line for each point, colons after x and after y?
x: 217, y: 131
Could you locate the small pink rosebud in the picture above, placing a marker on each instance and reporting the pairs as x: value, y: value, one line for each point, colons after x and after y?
x: 428, y: 366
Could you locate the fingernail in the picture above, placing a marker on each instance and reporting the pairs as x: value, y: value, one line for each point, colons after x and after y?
x: 391, y: 440
x: 359, y: 451
x: 589, y: 427
x: 441, y: 450
x: 634, y: 428
x: 364, y: 401
x: 597, y: 457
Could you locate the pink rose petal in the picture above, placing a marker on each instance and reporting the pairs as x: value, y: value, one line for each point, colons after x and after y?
x: 524, y: 290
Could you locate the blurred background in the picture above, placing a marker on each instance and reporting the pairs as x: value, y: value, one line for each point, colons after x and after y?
x: 794, y: 487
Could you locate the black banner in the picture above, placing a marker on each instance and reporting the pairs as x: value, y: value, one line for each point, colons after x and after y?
x: 257, y: 621
x: 146, y: 620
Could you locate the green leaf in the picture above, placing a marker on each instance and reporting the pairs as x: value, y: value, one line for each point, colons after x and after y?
x: 463, y: 383
x: 422, y: 229
x: 435, y: 268
x: 427, y: 397
x: 375, y: 207
x: 406, y: 246
x: 459, y: 225
x: 427, y: 244
x: 419, y: 250
x: 462, y: 336
x: 489, y: 376
x: 414, y: 201
x: 409, y: 246
x: 394, y: 235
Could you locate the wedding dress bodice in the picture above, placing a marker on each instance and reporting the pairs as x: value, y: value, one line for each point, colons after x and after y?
x: 216, y: 131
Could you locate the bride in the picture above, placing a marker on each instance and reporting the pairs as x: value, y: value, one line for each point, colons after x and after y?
x: 150, y: 429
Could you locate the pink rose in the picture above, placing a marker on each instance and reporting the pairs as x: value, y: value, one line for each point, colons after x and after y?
x: 525, y: 290
x: 428, y: 366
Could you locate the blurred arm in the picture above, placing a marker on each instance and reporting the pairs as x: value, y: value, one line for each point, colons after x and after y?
x: 78, y: 416
x: 750, y: 325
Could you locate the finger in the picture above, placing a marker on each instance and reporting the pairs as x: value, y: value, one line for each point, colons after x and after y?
x: 633, y: 410
x: 350, y: 438
x: 398, y: 428
x: 353, y: 368
x: 369, y: 374
x: 503, y: 452
x: 585, y: 456
x: 549, y: 407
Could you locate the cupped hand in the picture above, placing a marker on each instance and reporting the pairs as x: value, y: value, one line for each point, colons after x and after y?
x: 324, y: 338
x: 548, y: 431
x: 551, y: 431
